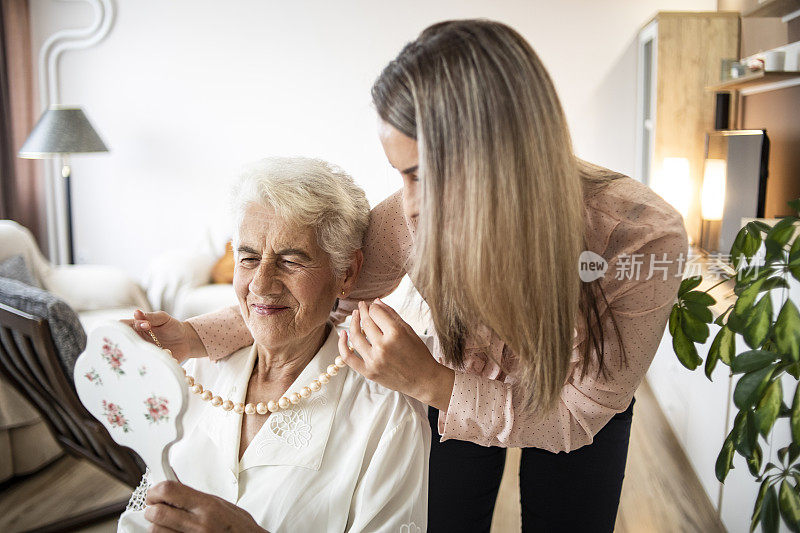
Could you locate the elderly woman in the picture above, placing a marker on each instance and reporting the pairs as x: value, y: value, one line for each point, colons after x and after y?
x: 288, y: 438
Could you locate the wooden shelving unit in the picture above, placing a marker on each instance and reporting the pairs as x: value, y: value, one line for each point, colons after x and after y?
x: 751, y: 80
x: 774, y: 8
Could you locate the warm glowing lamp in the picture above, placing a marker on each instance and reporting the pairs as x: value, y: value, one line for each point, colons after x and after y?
x: 713, y: 195
x: 674, y: 183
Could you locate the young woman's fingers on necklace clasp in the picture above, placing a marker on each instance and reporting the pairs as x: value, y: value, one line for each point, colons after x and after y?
x: 355, y: 341
x: 349, y: 355
x: 373, y: 329
x: 364, y: 334
x: 385, y: 318
x: 373, y: 332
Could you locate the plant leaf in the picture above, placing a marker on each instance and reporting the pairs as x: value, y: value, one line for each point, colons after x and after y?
x: 695, y: 329
x: 758, y: 323
x: 720, y: 320
x: 699, y: 311
x: 794, y: 249
x: 685, y: 349
x: 787, y: 330
x: 750, y: 274
x: 727, y: 346
x: 673, y: 319
x: 751, y: 386
x: 794, y: 452
x: 775, y: 282
x: 754, y: 461
x: 722, y: 347
x: 712, y: 358
x: 789, y: 501
x: 748, y: 436
x: 759, y: 227
x: 699, y: 297
x: 794, y: 259
x: 747, y: 297
x: 752, y: 360
x: 752, y: 243
x: 777, y: 238
x: 736, y: 254
x: 735, y: 323
x: 745, y: 245
x: 756, y: 517
x: 755, y: 229
x: 782, y: 454
x: 782, y: 231
x: 768, y: 407
x: 724, y: 459
x: 795, y: 204
x: 794, y: 419
x: 689, y: 284
x: 770, y: 515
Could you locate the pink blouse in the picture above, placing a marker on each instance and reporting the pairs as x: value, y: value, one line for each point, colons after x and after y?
x: 644, y: 241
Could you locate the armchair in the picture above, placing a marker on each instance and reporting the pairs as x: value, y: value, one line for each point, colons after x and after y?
x: 40, y: 337
x: 95, y: 292
x: 92, y: 292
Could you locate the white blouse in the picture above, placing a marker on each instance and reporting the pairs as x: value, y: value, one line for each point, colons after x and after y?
x: 352, y: 457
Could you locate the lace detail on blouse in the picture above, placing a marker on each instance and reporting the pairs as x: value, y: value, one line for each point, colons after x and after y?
x: 136, y: 503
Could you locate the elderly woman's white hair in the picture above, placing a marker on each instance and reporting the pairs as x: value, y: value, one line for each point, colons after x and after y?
x: 311, y: 192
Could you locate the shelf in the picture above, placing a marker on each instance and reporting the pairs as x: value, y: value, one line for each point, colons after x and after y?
x: 751, y: 80
x: 774, y: 8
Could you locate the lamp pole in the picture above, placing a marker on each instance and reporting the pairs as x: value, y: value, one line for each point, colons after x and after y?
x: 66, y: 172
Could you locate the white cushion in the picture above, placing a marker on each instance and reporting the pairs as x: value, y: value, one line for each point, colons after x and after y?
x: 204, y: 299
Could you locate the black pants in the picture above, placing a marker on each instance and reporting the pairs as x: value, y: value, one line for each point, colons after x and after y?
x: 571, y: 492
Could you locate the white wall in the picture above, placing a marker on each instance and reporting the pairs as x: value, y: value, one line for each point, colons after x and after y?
x: 184, y: 92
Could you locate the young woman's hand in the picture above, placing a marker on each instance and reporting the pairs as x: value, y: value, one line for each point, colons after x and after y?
x: 173, y: 506
x: 393, y: 355
x: 178, y: 337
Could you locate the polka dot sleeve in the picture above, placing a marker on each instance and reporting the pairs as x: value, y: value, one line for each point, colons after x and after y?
x: 386, y: 248
x: 222, y: 332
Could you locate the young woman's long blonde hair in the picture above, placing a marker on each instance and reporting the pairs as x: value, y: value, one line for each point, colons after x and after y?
x: 501, y: 221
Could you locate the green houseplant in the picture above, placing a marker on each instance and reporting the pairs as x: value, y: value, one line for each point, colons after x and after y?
x: 774, y: 353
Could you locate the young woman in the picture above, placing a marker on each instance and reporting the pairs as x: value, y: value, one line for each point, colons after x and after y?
x: 491, y: 223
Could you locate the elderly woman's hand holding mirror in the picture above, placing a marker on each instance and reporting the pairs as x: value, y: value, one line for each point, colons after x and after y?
x: 172, y: 506
x: 176, y: 336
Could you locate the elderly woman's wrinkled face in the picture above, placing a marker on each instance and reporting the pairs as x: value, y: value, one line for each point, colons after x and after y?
x: 284, y: 281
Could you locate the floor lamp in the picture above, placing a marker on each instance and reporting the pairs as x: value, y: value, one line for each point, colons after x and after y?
x: 62, y: 131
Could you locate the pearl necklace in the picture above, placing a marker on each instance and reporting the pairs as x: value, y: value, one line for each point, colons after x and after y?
x: 260, y: 408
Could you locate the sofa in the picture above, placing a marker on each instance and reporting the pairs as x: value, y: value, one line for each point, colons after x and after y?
x: 179, y: 281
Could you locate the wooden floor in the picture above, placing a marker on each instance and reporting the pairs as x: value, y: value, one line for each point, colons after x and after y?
x: 67, y: 487
x: 660, y: 492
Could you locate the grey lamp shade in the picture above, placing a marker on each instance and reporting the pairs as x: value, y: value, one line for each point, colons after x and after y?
x: 60, y: 131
